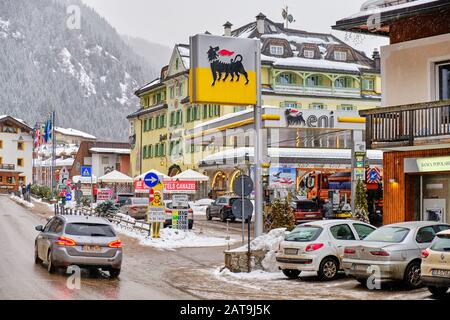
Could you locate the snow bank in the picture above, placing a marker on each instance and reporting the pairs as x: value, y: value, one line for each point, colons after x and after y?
x: 254, y: 275
x: 22, y: 202
x: 172, y: 239
x: 270, y: 243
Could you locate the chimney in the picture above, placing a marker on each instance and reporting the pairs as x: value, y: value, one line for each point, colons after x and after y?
x: 260, y: 23
x: 227, y: 29
x: 377, y: 59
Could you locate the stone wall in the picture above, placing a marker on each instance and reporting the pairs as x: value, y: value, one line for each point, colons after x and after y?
x: 238, y: 261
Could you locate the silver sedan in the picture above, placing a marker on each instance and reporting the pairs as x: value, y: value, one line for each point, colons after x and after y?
x: 88, y: 242
x: 392, y: 252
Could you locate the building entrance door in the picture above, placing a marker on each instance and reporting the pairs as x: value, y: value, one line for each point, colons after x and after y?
x: 433, y: 198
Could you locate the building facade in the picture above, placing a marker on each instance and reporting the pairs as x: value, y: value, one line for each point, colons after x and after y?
x: 16, y: 154
x: 413, y: 125
x: 300, y: 70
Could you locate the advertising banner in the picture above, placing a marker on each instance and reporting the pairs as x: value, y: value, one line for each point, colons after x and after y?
x: 282, y: 178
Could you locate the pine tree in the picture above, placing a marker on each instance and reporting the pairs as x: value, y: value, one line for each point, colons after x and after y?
x: 361, y: 211
x: 281, y: 215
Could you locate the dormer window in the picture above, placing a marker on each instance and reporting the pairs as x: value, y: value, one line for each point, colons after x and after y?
x: 309, y: 54
x: 277, y: 50
x: 340, y: 56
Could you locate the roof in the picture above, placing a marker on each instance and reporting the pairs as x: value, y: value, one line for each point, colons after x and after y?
x: 81, y: 219
x: 149, y: 86
x: 414, y: 224
x: 74, y: 133
x: 144, y: 111
x: 115, y: 177
x: 445, y: 232
x: 110, y: 150
x: 388, y: 11
x: 19, y: 122
x: 191, y: 175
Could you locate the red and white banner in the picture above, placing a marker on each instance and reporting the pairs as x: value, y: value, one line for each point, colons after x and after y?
x: 170, y: 186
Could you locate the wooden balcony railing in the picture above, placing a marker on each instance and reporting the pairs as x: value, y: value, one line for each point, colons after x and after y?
x: 11, y: 167
x: 402, y: 125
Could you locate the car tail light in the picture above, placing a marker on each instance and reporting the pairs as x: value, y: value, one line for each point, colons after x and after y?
x: 168, y: 211
x: 64, y: 241
x: 314, y: 247
x: 349, y: 251
x: 115, y: 244
x: 228, y: 206
x: 425, y: 254
x: 380, y: 253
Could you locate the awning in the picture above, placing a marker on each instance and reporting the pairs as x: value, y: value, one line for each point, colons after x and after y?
x: 115, y: 177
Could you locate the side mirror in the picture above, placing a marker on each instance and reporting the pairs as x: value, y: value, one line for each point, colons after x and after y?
x: 39, y: 228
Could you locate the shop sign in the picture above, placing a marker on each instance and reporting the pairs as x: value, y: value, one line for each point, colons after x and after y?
x: 179, y: 186
x: 224, y: 70
x: 299, y: 118
x: 435, y: 164
x: 104, y: 195
x: 283, y: 178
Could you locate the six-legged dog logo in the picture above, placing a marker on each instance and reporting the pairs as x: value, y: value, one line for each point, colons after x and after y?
x: 232, y: 68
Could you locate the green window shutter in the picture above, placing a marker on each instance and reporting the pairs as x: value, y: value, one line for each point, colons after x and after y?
x: 205, y: 111
x: 189, y: 115
x: 144, y: 152
x: 172, y: 118
x: 163, y: 152
x: 150, y: 151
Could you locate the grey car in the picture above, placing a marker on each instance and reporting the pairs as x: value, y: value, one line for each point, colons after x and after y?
x: 393, y: 252
x: 135, y: 207
x: 88, y: 242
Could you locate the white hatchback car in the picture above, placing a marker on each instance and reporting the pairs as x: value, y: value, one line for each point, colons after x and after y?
x: 319, y: 246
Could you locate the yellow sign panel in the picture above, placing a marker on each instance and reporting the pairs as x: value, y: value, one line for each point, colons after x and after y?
x: 224, y: 70
x: 435, y: 164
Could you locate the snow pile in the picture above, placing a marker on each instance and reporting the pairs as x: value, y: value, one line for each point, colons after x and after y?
x: 268, y: 242
x: 125, y: 217
x: 22, y: 202
x: 254, y: 275
x: 172, y: 239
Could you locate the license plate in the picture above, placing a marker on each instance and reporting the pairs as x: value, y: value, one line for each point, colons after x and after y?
x: 441, y: 273
x: 310, y: 215
x: 291, y: 251
x: 91, y: 248
x: 359, y: 267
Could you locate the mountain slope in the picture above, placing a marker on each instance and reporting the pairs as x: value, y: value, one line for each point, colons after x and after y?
x: 88, y: 75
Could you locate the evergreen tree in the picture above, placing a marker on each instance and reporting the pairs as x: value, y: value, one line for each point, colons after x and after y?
x: 361, y: 210
x: 281, y: 215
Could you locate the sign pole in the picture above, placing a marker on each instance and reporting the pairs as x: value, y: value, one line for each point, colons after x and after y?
x: 243, y: 220
x: 258, y: 148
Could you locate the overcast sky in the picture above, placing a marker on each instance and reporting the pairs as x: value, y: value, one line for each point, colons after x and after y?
x: 173, y: 21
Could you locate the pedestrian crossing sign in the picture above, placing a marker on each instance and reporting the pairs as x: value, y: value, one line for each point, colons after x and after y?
x: 86, y: 171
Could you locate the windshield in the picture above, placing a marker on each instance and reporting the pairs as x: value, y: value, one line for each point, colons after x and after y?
x: 442, y: 243
x: 140, y: 201
x: 388, y: 234
x: 89, y: 230
x: 304, y: 234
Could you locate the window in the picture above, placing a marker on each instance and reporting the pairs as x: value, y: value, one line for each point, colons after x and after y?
x: 20, y: 162
x: 277, y: 50
x: 289, y: 104
x: 304, y: 234
x: 90, y: 230
x: 238, y: 109
x: 441, y: 243
x: 362, y: 230
x: 179, y: 90
x: 309, y: 54
x: 342, y: 232
x: 286, y: 79
x: 388, y: 234
x: 314, y: 81
x: 343, y: 83
x: 444, y: 81
x: 144, y: 152
x: 425, y: 235
x: 150, y: 124
x: 105, y: 160
x: 340, y: 55
x: 346, y: 107
x: 171, y: 92
x: 1, y: 144
x: 205, y: 111
x: 317, y: 106
x: 368, y: 84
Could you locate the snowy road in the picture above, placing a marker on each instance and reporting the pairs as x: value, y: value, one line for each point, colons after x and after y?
x: 152, y: 273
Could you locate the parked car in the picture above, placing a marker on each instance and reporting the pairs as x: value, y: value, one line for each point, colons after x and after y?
x: 306, y: 210
x: 319, y: 246
x: 436, y: 265
x: 135, y: 207
x: 123, y: 197
x: 222, y: 209
x: 84, y: 241
x: 395, y: 250
x: 169, y: 211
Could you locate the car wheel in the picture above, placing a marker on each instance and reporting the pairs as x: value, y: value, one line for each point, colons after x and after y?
x: 114, y: 273
x: 50, y: 264
x: 223, y: 218
x: 328, y: 269
x: 208, y: 215
x: 438, y: 291
x: 291, y: 274
x: 37, y: 260
x: 233, y: 220
x: 412, y: 275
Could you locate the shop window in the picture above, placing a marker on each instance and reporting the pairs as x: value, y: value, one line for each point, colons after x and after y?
x: 20, y: 162
x: 277, y: 50
x: 11, y: 180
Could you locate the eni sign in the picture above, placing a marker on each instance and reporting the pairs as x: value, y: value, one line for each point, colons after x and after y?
x: 436, y: 164
x: 224, y: 70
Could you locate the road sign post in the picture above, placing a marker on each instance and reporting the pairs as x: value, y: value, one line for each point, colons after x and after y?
x: 87, y: 172
x: 156, y: 209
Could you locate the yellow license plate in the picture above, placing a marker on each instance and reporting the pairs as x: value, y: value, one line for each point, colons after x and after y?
x: 91, y: 248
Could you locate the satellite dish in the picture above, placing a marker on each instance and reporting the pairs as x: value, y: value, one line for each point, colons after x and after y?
x: 290, y: 18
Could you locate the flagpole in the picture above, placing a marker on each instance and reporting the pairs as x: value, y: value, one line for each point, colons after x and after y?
x: 53, y: 153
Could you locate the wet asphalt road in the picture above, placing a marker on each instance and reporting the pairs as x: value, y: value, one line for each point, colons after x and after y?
x: 20, y: 278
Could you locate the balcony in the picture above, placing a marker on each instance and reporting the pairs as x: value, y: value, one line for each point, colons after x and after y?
x: 408, y: 125
x: 7, y: 167
x: 318, y: 90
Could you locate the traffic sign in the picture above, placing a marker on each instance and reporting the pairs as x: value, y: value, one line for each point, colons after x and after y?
x: 243, y: 186
x: 151, y: 180
x: 86, y: 171
x: 242, y: 207
x: 68, y: 197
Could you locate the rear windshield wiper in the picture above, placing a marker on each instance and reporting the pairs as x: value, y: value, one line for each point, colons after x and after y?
x: 98, y: 235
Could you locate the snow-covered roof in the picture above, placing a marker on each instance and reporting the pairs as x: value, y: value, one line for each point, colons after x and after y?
x: 291, y: 153
x: 74, y: 133
x: 379, y: 6
x: 68, y: 162
x: 115, y: 177
x: 110, y: 150
x: 191, y: 175
x: 313, y: 63
x: 185, y: 54
x: 17, y: 119
x: 142, y: 176
x: 149, y: 85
